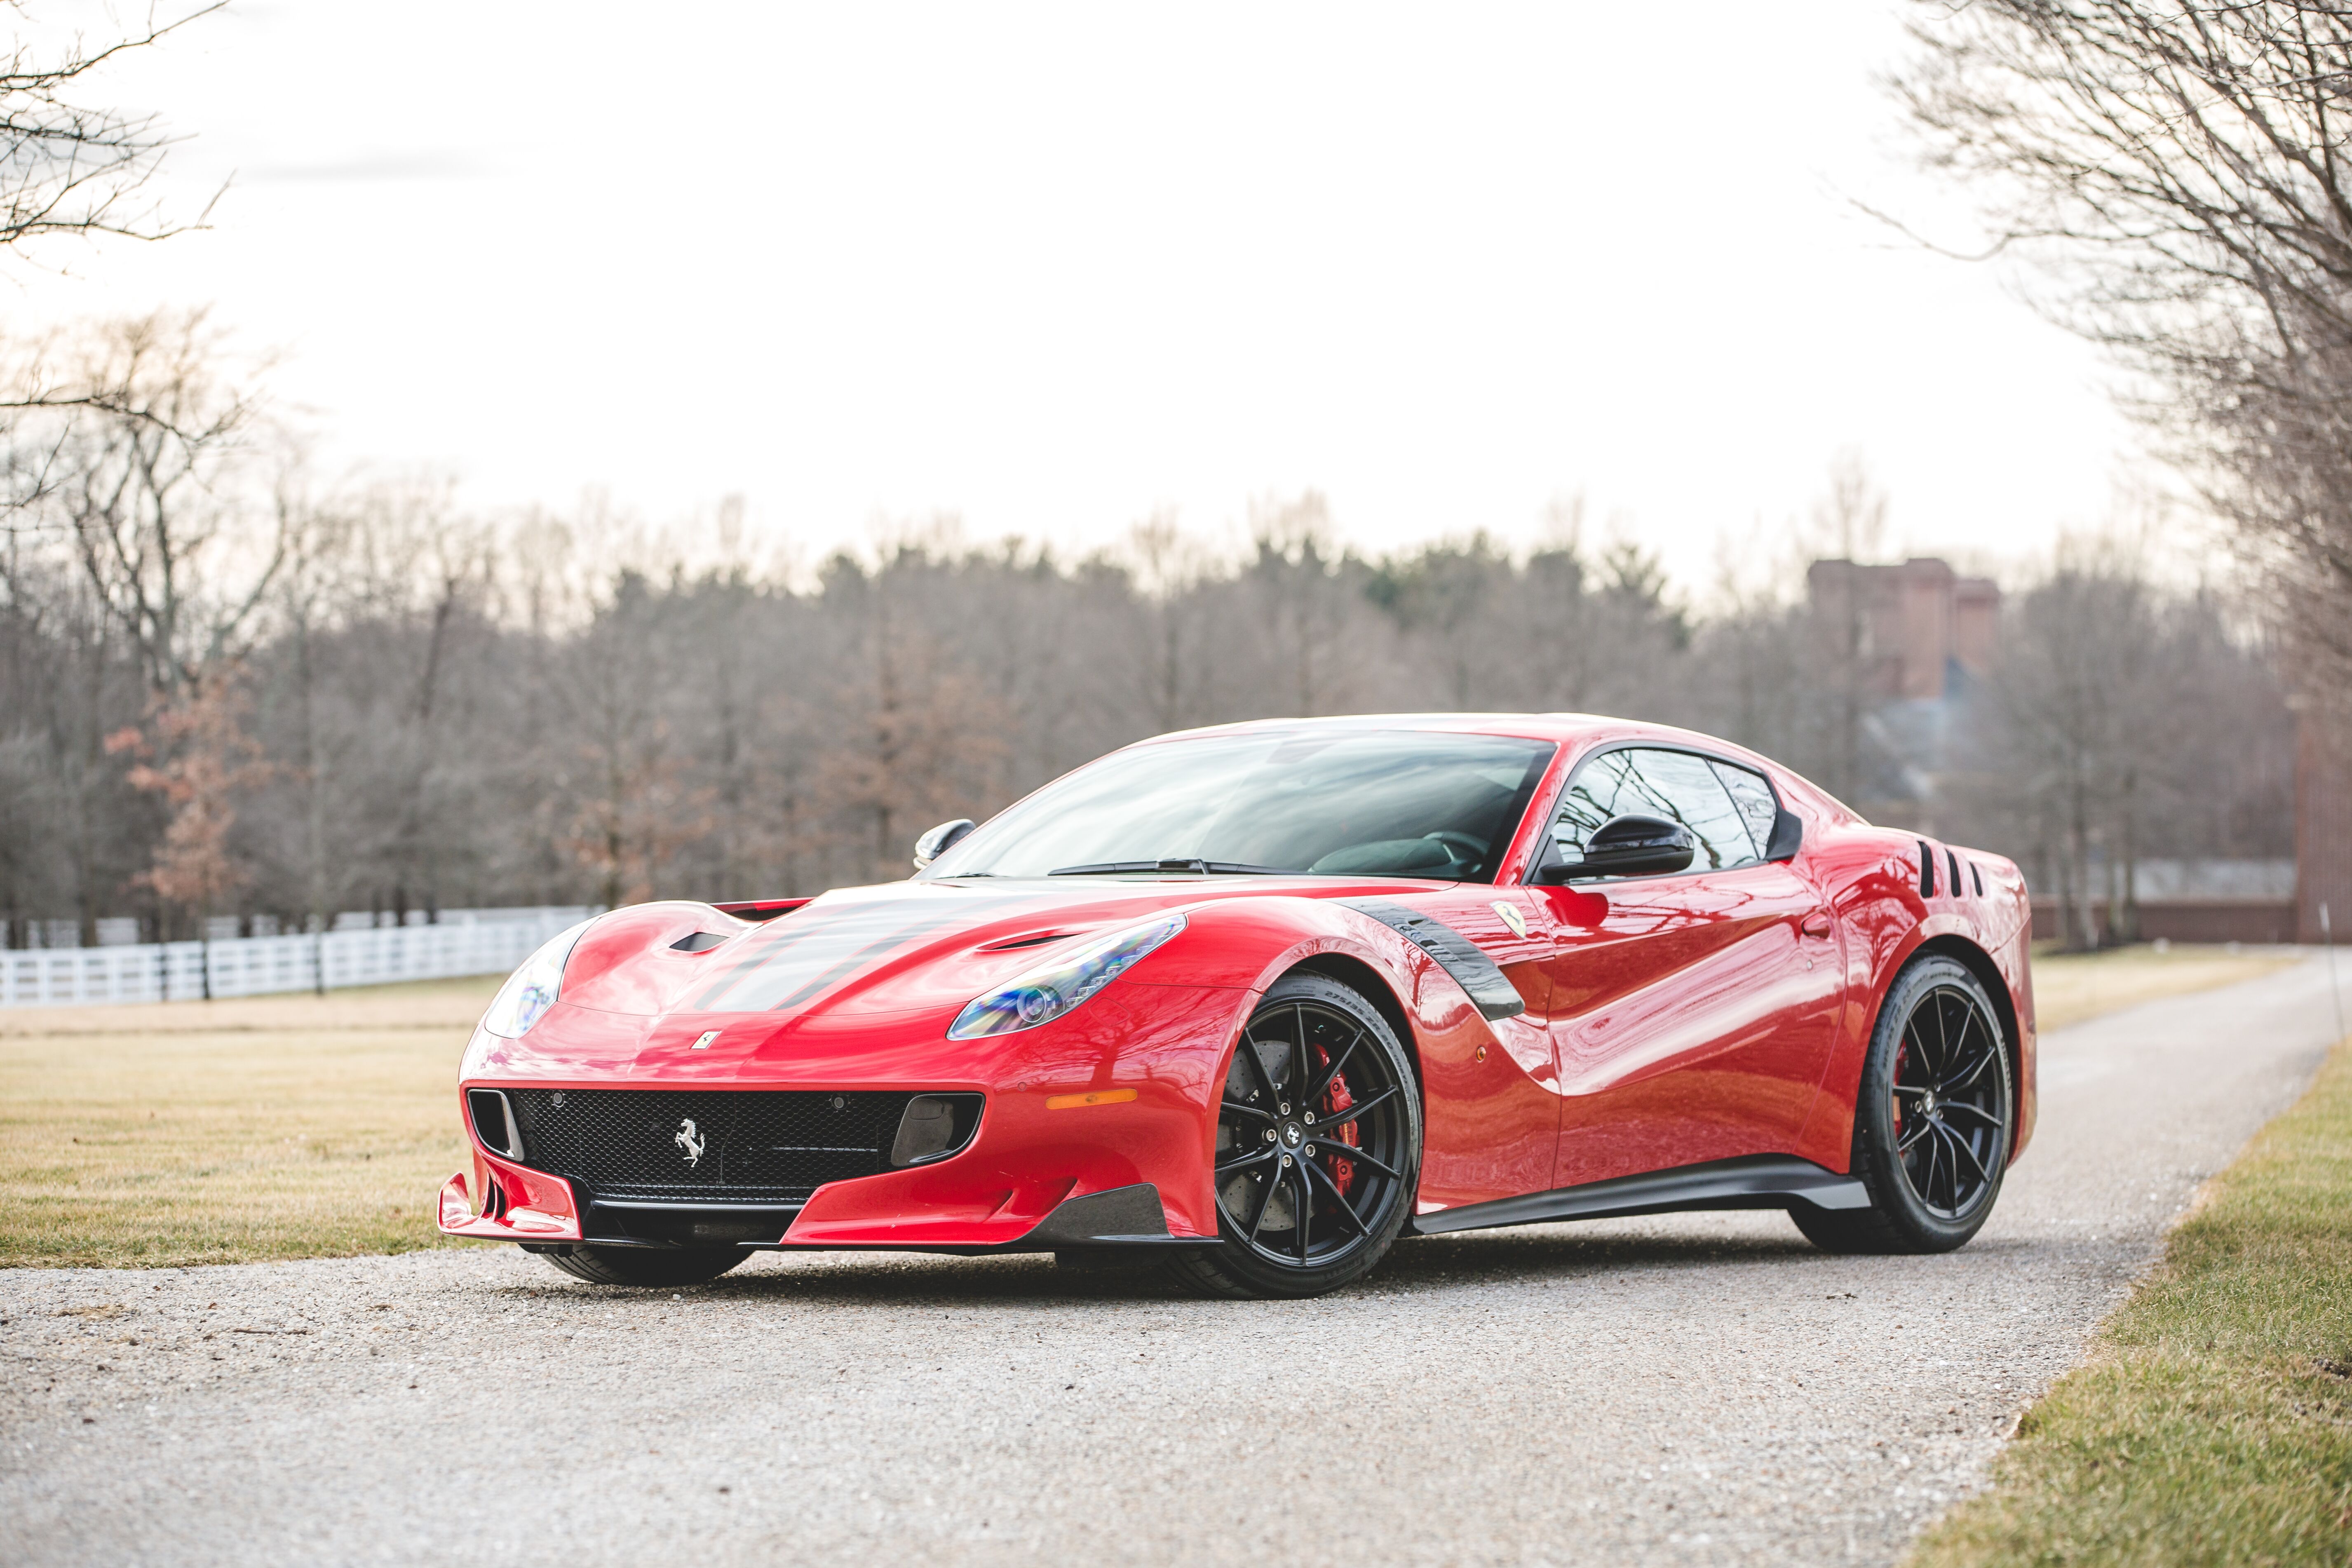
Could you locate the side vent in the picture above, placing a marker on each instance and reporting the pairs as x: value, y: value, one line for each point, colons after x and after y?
x: 1976, y: 875
x: 1952, y: 862
x: 1927, y: 869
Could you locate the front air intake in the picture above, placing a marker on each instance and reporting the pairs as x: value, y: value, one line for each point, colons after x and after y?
x: 494, y: 1123
x: 934, y: 1126
x: 770, y: 1147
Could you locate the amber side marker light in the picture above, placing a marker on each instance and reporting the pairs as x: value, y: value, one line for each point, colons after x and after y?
x: 1092, y: 1097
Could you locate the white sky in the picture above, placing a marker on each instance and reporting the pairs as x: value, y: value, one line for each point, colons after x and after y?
x: 1056, y: 268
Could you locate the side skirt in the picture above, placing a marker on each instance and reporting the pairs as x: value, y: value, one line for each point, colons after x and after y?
x: 1753, y: 1181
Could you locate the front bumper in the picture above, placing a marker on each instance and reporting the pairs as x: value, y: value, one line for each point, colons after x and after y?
x: 1129, y: 1218
x: 1097, y: 1131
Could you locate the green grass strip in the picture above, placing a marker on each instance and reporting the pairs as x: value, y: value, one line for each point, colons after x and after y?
x: 2213, y: 1423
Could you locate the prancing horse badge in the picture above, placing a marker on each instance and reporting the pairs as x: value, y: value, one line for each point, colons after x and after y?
x: 703, y: 1041
x: 1512, y: 918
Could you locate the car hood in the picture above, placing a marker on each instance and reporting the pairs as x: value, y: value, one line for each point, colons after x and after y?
x: 897, y: 948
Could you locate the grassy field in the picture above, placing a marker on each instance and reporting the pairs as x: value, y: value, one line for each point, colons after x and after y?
x: 2213, y: 1422
x: 295, y: 1127
x: 2070, y: 987
x: 231, y: 1132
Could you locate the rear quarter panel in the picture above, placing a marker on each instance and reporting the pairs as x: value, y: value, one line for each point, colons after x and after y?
x: 1870, y: 877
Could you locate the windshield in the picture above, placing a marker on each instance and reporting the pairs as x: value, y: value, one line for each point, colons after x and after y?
x: 1327, y: 802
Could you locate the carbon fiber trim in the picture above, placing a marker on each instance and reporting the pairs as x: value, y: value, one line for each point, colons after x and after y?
x: 1757, y: 1181
x: 1488, y: 987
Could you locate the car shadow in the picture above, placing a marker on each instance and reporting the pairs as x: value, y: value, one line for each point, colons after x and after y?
x: 1416, y: 1265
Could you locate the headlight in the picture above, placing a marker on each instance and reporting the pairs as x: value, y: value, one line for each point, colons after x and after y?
x: 532, y: 990
x: 1043, y: 996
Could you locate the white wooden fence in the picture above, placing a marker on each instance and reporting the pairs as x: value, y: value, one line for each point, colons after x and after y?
x: 467, y: 942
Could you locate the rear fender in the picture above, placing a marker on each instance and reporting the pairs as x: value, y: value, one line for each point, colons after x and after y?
x: 1873, y: 883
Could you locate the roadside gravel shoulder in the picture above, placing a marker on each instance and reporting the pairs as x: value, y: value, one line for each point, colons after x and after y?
x: 1690, y: 1389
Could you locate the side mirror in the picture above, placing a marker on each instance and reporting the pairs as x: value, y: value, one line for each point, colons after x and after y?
x: 1626, y: 846
x: 939, y: 840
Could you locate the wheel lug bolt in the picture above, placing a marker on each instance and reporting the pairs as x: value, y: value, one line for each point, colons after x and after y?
x: 1269, y: 1134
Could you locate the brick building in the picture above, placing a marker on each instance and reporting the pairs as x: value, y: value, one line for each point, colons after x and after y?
x: 2323, y: 823
x: 1924, y: 632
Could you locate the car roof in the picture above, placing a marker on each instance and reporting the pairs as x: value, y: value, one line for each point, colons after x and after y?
x: 1526, y: 726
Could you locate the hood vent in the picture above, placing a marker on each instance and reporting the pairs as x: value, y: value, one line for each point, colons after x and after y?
x: 1032, y: 939
x: 758, y: 909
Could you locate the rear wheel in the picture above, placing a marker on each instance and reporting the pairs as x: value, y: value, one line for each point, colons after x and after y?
x: 646, y: 1266
x: 1318, y: 1146
x: 1931, y: 1124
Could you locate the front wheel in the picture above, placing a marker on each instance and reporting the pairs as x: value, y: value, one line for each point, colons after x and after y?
x: 1932, y: 1120
x: 1318, y: 1146
x: 645, y: 1265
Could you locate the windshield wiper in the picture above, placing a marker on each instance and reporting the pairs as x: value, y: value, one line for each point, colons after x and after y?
x: 1198, y: 867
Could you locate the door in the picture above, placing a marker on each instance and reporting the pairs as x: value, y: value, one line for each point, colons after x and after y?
x: 1692, y: 1014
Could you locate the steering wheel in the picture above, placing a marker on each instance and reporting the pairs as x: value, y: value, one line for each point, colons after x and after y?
x: 1475, y: 845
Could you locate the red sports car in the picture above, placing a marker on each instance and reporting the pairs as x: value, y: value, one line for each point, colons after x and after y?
x: 1253, y: 1001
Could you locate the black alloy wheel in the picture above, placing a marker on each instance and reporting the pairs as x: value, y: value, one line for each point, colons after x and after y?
x: 1950, y: 1112
x: 1318, y: 1146
x: 650, y: 1266
x: 1932, y: 1121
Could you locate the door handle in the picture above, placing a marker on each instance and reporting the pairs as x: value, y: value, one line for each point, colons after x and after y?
x: 1815, y: 924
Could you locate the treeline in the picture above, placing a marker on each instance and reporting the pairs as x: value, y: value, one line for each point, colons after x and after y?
x: 223, y: 692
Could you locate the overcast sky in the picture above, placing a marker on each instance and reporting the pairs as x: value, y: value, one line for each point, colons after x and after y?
x: 1056, y: 269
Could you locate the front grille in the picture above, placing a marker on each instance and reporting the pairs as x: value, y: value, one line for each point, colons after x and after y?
x: 773, y: 1146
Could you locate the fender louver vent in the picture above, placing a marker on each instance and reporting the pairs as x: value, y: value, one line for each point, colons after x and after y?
x: 1952, y: 863
x: 1927, y: 869
x: 1977, y: 876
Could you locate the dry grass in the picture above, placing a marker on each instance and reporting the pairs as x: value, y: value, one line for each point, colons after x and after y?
x: 2073, y: 988
x: 231, y: 1132
x: 2213, y: 1421
x: 294, y: 1127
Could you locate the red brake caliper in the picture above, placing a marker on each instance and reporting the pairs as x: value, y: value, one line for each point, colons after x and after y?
x: 1902, y: 1055
x: 1343, y: 1171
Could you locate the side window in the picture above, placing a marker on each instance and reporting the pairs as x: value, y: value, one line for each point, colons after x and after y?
x: 1753, y: 797
x: 1677, y: 785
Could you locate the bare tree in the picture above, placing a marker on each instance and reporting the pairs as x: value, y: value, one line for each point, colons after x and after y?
x: 1848, y: 525
x: 204, y: 763
x: 2179, y: 169
x: 149, y: 494
x: 69, y: 169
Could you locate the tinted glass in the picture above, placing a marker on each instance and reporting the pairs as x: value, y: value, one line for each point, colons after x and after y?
x: 1677, y: 785
x: 1752, y: 797
x: 1343, y: 803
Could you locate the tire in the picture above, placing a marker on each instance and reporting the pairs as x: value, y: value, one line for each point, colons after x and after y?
x: 646, y: 1266
x: 1312, y: 1192
x: 1932, y: 1121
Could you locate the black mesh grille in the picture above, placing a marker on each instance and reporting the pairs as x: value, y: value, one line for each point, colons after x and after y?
x: 746, y: 1145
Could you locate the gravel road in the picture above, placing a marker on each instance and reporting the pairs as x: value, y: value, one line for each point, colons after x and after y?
x: 1693, y: 1389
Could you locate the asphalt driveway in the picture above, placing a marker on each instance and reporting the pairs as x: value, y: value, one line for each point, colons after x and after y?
x: 1693, y: 1389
